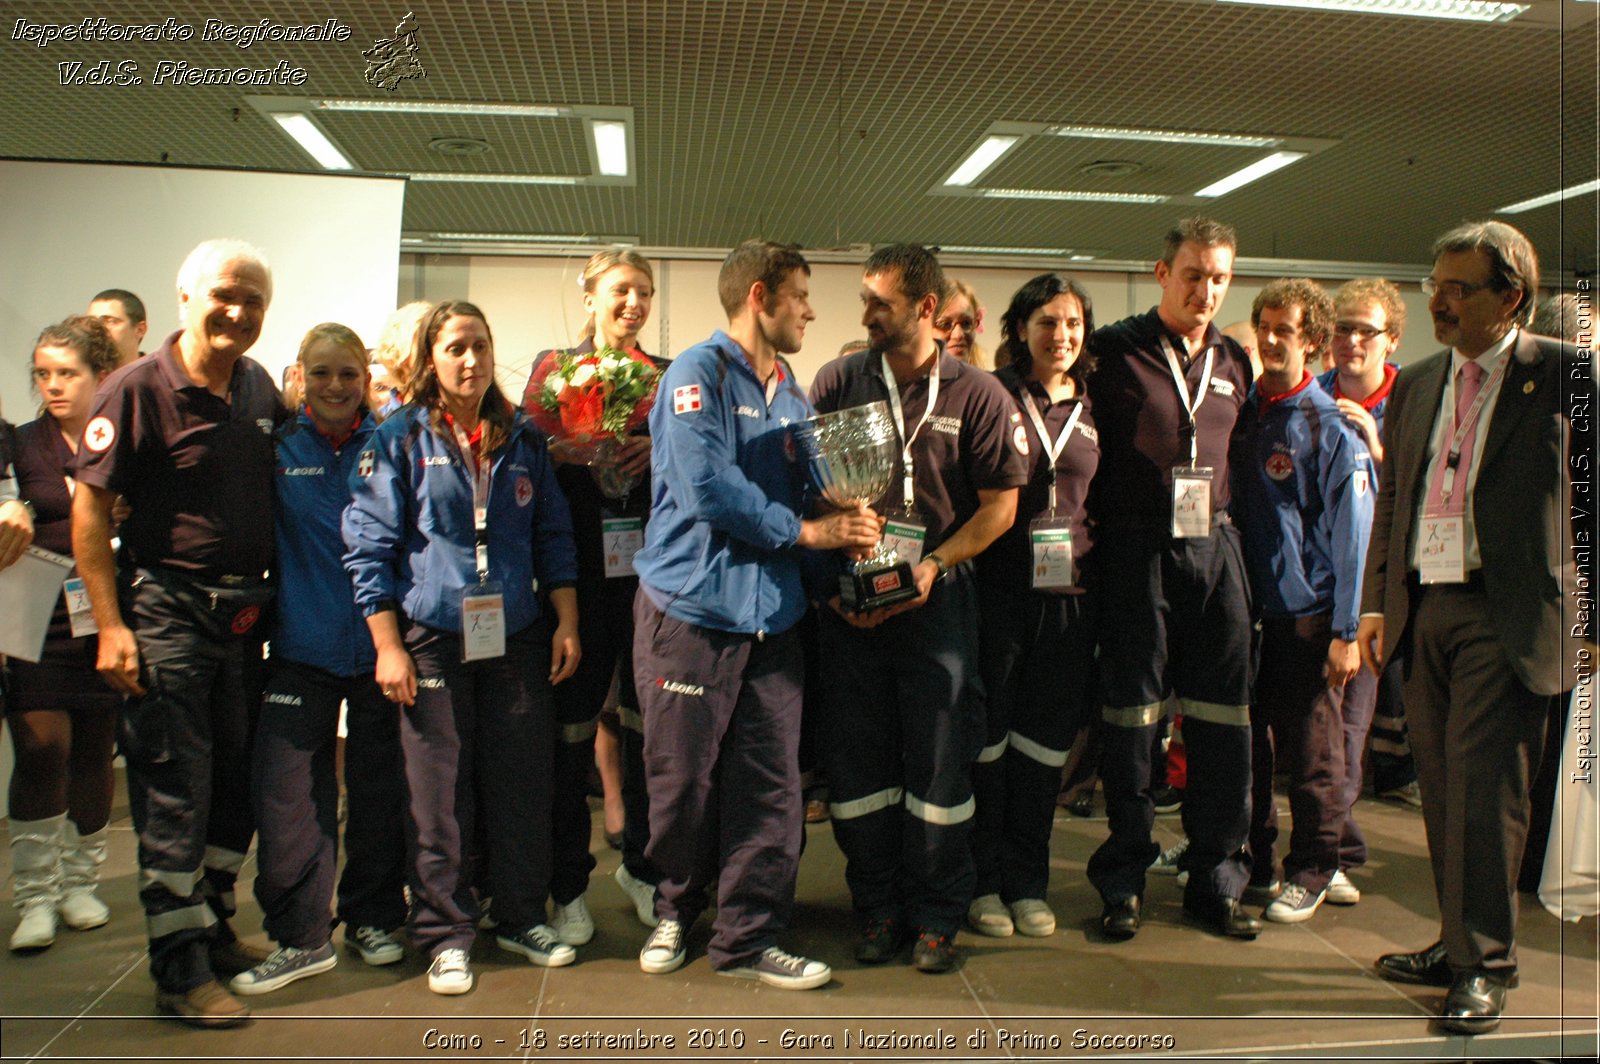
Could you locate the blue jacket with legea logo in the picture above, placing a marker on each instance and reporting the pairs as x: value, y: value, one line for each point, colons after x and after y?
x: 720, y: 546
x: 408, y: 532
x: 1304, y: 490
x: 317, y: 622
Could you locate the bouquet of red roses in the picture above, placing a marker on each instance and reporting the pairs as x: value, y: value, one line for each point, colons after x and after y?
x: 590, y: 400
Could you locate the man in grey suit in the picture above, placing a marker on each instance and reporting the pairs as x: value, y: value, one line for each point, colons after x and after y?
x: 1473, y: 565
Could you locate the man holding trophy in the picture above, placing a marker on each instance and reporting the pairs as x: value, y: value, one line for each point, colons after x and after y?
x: 903, y: 703
x: 717, y: 662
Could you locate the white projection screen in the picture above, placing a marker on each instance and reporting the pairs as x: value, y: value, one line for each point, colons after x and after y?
x: 69, y: 230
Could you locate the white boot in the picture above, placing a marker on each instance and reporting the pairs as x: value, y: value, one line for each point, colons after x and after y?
x: 36, y: 865
x: 81, y: 858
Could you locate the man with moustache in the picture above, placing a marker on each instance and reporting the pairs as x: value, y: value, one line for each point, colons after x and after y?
x: 1303, y: 483
x: 1175, y: 614
x: 717, y: 660
x: 902, y: 699
x: 185, y: 436
x: 1472, y: 571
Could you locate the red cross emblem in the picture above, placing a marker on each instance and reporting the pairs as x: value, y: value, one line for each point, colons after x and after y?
x: 99, y: 434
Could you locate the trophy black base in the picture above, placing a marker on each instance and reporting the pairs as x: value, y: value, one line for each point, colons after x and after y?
x: 873, y: 589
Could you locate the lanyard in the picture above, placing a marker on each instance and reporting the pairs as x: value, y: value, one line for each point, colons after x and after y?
x: 1190, y: 406
x: 1052, y: 449
x: 908, y: 490
x: 481, y: 467
x: 1453, y: 455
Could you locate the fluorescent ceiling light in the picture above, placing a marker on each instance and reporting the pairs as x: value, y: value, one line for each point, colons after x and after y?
x: 1065, y: 194
x: 1165, y: 136
x: 1462, y: 10
x: 611, y: 147
x: 425, y: 107
x: 313, y: 140
x: 1254, y: 172
x: 1081, y: 258
x: 978, y: 249
x: 532, y: 238
x: 983, y: 157
x: 1550, y: 197
x: 490, y: 179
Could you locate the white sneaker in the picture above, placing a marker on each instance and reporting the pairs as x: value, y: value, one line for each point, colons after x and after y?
x: 37, y: 927
x: 540, y: 945
x: 988, y: 915
x: 1033, y: 917
x: 450, y: 973
x: 376, y: 946
x: 664, y: 950
x: 642, y: 894
x: 783, y: 970
x: 81, y: 910
x: 572, y: 922
x: 1341, y: 891
x: 286, y: 965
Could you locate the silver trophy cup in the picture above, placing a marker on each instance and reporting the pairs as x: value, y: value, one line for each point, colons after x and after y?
x: 850, y: 456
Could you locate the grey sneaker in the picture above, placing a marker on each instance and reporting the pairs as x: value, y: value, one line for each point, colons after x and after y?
x: 1033, y: 917
x: 376, y: 946
x: 988, y: 915
x: 664, y: 950
x: 540, y: 945
x: 282, y: 967
x: 782, y: 970
x: 1167, y: 863
x: 1295, y: 904
x: 450, y: 973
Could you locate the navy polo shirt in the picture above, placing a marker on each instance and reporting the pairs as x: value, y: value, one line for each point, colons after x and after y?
x: 195, y: 468
x: 974, y: 440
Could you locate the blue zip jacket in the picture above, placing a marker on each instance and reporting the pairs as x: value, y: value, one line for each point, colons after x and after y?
x: 317, y: 620
x: 719, y: 549
x: 1304, y: 493
x: 1375, y: 407
x: 408, y: 532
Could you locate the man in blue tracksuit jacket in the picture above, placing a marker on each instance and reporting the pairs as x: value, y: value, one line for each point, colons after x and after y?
x: 717, y: 662
x: 1306, y: 488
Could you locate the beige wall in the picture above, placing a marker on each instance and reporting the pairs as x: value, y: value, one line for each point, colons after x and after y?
x: 534, y: 303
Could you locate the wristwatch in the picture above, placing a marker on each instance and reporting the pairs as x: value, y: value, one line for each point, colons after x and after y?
x: 944, y: 569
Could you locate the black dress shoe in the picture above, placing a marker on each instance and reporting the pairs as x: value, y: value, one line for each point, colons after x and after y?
x: 1120, y: 919
x: 1473, y: 1005
x: 1225, y: 917
x: 1427, y: 968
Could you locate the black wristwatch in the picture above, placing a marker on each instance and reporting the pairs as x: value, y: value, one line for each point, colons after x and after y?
x: 944, y: 570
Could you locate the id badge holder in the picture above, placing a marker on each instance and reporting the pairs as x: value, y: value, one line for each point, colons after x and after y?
x: 1051, y: 541
x: 483, y: 622
x: 1443, y: 552
x: 79, y: 613
x: 1191, y: 502
x: 620, y: 539
x: 906, y: 536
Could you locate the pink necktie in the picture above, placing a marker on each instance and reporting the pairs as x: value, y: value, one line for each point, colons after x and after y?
x: 1466, y: 392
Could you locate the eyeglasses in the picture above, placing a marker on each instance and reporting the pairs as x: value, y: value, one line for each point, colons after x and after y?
x: 967, y: 325
x: 1346, y: 329
x: 1455, y: 291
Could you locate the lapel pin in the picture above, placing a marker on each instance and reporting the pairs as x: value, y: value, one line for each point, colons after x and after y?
x: 1527, y: 388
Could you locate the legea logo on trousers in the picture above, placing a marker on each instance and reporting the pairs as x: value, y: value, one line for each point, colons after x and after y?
x: 679, y: 688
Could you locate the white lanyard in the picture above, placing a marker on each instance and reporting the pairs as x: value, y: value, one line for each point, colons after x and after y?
x: 481, y: 468
x: 1052, y: 449
x: 1190, y: 406
x: 1453, y: 453
x: 908, y: 490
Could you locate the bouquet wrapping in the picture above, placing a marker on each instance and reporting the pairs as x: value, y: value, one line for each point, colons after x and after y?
x: 589, y: 401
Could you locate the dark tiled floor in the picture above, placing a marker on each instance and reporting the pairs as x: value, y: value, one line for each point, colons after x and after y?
x: 1298, y: 991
